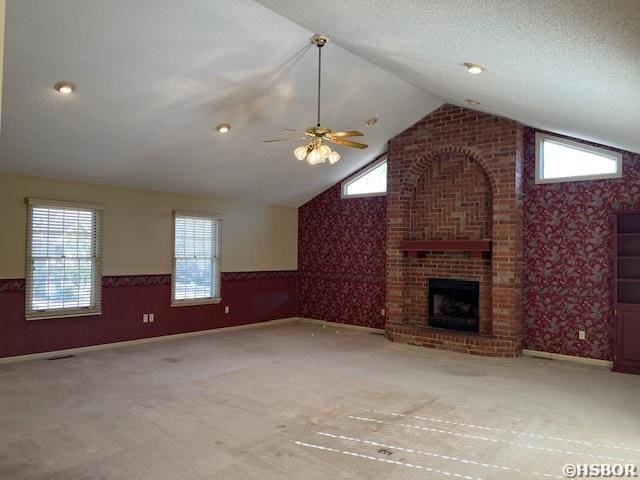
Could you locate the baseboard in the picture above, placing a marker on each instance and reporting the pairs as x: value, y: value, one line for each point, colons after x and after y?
x: 104, y: 346
x: 340, y: 325
x: 569, y: 358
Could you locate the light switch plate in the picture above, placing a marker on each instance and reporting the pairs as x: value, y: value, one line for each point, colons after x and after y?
x: 582, y: 335
x: 226, y: 309
x: 145, y: 318
x: 151, y: 319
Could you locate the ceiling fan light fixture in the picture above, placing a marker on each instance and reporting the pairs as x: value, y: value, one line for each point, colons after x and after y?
x: 223, y: 128
x: 324, y: 151
x: 317, y: 151
x: 314, y: 157
x: 301, y: 152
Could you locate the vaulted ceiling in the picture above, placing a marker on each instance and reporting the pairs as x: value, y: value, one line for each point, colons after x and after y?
x: 570, y: 66
x: 156, y: 76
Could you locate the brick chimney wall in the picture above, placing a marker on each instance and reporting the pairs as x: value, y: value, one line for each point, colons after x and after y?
x: 456, y: 174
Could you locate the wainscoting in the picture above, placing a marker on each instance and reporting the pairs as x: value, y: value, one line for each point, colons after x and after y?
x: 252, y: 297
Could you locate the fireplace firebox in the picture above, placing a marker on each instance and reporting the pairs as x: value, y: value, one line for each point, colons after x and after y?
x: 454, y: 305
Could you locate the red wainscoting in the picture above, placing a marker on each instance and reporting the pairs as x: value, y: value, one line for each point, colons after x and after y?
x: 341, y: 258
x: 568, y: 258
x: 251, y: 296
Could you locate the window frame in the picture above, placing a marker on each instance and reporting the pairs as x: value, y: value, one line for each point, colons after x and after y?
x: 216, y: 275
x: 354, y: 178
x: 539, y: 166
x: 95, y: 309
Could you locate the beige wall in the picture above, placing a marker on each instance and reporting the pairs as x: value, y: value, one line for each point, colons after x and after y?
x: 2, y: 27
x: 138, y: 228
x: 3, y: 7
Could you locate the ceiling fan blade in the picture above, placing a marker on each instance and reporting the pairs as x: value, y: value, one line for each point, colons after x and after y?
x: 293, y: 130
x: 347, y: 143
x: 348, y: 133
x: 283, y: 139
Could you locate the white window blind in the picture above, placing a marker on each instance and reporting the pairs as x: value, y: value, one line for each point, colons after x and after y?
x: 196, y: 258
x: 64, y: 259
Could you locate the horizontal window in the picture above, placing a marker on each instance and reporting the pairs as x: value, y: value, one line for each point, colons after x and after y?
x: 561, y: 160
x: 370, y: 182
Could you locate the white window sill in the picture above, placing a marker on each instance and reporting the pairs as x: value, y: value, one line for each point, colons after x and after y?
x: 44, y: 316
x: 192, y: 303
x: 363, y: 195
x: 578, y: 178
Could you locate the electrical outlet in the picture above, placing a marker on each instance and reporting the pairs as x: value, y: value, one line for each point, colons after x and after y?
x: 582, y: 335
x: 226, y: 309
x: 382, y: 312
x: 151, y: 319
x: 145, y: 318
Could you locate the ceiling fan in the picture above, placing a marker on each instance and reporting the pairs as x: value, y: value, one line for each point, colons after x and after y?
x: 317, y: 151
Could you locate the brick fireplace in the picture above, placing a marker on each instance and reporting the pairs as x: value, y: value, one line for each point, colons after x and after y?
x: 455, y: 183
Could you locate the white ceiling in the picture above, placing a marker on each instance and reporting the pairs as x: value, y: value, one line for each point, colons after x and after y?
x: 570, y: 66
x: 155, y: 77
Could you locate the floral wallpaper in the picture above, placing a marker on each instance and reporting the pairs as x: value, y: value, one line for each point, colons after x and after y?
x: 568, y: 258
x: 18, y: 285
x: 341, y: 259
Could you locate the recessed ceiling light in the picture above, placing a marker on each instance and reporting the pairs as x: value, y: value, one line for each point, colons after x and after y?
x: 65, y: 87
x: 474, y: 68
x: 471, y: 101
x: 371, y: 122
x: 223, y: 128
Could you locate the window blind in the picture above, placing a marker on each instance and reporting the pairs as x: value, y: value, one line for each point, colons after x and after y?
x: 196, y: 258
x: 64, y: 259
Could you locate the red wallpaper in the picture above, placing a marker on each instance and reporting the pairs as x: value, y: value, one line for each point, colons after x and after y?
x: 341, y: 259
x: 568, y: 269
x: 252, y: 297
x: 566, y: 280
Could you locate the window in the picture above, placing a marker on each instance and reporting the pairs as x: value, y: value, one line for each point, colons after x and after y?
x: 196, y: 258
x: 370, y: 182
x: 64, y: 259
x: 561, y: 160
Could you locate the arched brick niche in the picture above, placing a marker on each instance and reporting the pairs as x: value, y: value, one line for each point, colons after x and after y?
x: 454, y: 175
x: 451, y: 200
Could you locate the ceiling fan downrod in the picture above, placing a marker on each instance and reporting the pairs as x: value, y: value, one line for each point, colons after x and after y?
x: 319, y: 41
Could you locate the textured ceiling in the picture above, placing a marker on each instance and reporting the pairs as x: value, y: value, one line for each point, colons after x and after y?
x: 570, y: 66
x: 155, y: 77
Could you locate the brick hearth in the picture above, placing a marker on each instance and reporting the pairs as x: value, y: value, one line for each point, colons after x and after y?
x: 456, y: 175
